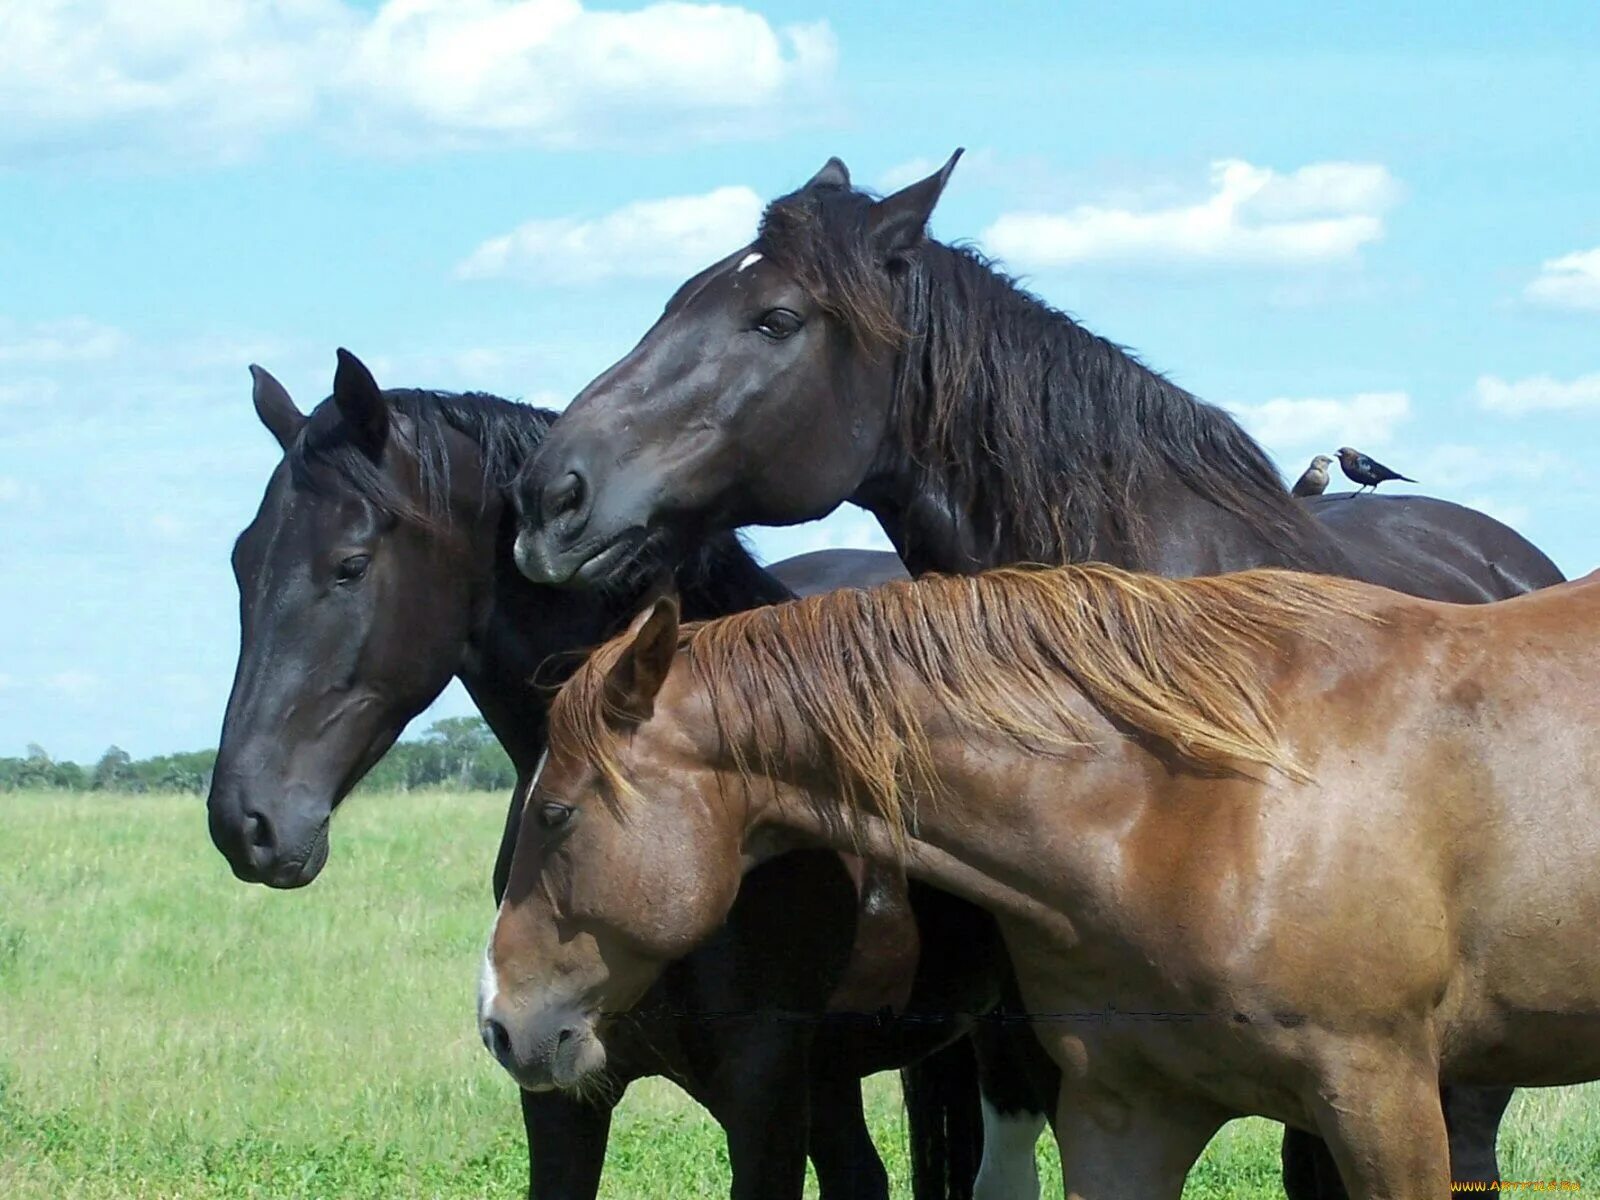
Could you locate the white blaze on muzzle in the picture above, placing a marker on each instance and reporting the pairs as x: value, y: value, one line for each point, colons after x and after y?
x: 488, y: 977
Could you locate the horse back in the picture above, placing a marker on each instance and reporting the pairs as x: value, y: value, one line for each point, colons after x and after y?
x: 1433, y: 548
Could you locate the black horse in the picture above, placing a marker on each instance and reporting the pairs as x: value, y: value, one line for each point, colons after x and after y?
x: 377, y: 568
x: 846, y: 356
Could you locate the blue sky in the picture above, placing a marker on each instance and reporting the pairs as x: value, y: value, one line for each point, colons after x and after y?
x: 1360, y: 226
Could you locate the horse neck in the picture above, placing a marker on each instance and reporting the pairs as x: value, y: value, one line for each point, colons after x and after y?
x: 513, y: 627
x: 719, y: 577
x: 523, y: 639
x: 1192, y: 536
x: 528, y: 637
x: 1130, y: 505
x: 967, y: 842
x: 520, y: 636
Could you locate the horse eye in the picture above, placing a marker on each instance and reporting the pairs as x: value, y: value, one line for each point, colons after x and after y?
x: 352, y: 568
x: 553, y: 815
x: 778, y: 323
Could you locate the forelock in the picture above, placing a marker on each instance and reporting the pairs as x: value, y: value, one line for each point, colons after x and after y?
x: 820, y: 236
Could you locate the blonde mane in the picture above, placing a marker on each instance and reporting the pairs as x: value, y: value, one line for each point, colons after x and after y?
x: 1178, y: 659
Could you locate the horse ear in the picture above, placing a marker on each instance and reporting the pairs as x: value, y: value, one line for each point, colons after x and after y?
x: 361, y: 403
x: 635, y: 678
x: 273, y: 405
x: 900, y: 222
x: 833, y: 174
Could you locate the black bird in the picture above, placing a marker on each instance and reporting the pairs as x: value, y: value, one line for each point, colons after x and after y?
x: 1358, y: 468
x: 1315, y: 480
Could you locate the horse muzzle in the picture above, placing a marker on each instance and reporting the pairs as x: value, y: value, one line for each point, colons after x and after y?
x: 555, y: 1048
x: 281, y: 846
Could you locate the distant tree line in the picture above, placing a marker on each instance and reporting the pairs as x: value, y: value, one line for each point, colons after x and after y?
x: 457, y: 752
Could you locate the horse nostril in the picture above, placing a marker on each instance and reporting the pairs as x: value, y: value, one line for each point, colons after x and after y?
x: 258, y: 837
x: 497, y: 1041
x: 564, y: 1036
x: 564, y: 496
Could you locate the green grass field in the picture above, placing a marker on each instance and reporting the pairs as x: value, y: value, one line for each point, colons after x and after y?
x: 166, y: 1031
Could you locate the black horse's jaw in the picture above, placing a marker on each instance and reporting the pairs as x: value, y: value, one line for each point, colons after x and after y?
x: 293, y: 875
x: 614, y: 567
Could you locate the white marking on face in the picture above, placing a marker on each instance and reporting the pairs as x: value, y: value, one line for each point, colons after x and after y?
x: 533, y: 780
x: 1009, y: 1170
x: 749, y: 260
x: 488, y: 977
x: 488, y: 980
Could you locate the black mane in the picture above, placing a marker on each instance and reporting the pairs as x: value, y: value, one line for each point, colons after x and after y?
x: 505, y: 431
x: 1005, y: 400
x: 718, y: 576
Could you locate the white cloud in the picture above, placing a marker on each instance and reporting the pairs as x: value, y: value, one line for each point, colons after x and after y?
x: 213, y: 78
x: 559, y: 74
x: 1366, y: 419
x: 1571, y: 281
x: 648, y: 239
x: 74, y: 339
x: 208, y: 75
x: 1254, y: 216
x: 1538, y: 393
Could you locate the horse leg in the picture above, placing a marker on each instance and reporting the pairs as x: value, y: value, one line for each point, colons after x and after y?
x: 1010, y: 1167
x: 1380, y: 1114
x: 944, y: 1120
x: 1114, y: 1148
x: 1472, y: 1120
x: 847, y: 1163
x: 759, y: 1095
x: 1309, y: 1172
x: 1019, y: 1085
x: 566, y: 1144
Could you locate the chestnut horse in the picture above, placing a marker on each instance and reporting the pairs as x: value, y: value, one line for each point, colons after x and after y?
x: 377, y: 568
x: 1263, y: 843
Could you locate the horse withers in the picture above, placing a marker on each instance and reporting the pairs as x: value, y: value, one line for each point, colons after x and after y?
x: 1264, y: 843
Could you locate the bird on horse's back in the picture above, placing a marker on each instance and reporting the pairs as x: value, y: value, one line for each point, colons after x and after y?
x: 845, y: 355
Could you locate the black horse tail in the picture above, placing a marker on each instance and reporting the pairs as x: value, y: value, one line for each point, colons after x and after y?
x: 946, y: 1122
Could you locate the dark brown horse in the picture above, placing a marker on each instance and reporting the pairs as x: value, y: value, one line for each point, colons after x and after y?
x: 1265, y: 843
x: 377, y: 568
x: 846, y: 356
